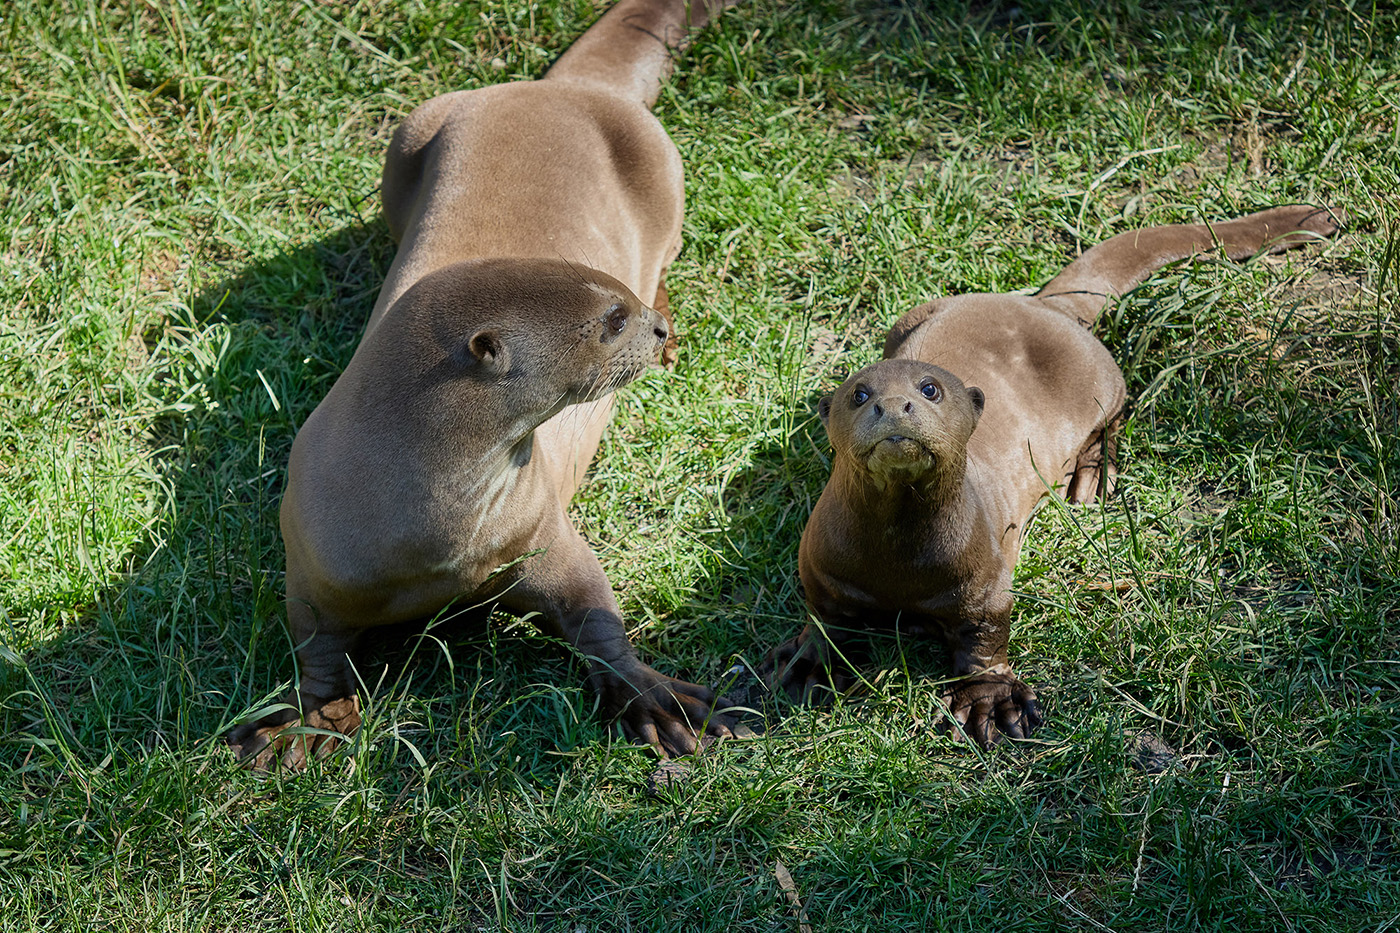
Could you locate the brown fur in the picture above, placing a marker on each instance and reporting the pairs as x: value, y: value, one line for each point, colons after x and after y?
x: 529, y: 217
x: 922, y: 520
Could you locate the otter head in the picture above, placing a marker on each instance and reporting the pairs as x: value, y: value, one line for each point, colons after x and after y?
x: 518, y: 338
x: 902, y: 421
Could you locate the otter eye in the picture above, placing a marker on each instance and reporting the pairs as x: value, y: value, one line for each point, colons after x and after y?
x: 860, y: 397
x: 616, y: 318
x: 931, y: 391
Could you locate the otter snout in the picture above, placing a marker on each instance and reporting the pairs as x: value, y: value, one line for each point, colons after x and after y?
x: 904, y: 405
x: 891, y: 418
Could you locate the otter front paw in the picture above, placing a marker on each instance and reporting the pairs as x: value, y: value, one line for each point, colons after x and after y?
x: 280, y: 740
x: 802, y: 666
x: 991, y: 707
x: 673, y: 717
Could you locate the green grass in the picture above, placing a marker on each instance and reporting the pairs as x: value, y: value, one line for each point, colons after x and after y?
x: 192, y: 244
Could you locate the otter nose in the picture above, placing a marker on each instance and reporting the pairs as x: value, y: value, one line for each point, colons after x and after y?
x: 896, y: 405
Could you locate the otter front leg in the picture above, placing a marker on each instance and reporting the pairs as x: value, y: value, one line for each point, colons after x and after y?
x: 988, y: 700
x: 991, y: 706
x: 324, y: 701
x: 568, y: 589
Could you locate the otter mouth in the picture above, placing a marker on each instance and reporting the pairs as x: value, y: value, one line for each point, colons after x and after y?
x: 904, y: 442
x: 900, y: 449
x: 614, y: 375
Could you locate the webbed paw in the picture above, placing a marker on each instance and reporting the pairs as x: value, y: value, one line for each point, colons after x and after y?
x: 990, y: 707
x: 280, y: 740
x: 804, y: 665
x: 673, y: 717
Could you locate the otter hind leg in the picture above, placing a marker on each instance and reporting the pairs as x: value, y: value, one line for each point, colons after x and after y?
x: 1096, y: 467
x: 318, y: 712
x: 661, y: 304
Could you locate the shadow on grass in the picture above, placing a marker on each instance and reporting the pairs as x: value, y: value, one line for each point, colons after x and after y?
x: 192, y: 635
x: 164, y: 653
x: 1292, y: 406
x: 173, y: 653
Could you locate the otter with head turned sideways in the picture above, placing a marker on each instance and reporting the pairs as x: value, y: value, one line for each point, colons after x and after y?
x: 943, y: 449
x: 535, y: 222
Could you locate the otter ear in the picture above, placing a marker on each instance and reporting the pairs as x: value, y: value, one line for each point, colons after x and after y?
x: 979, y: 401
x: 824, y: 409
x: 489, y: 349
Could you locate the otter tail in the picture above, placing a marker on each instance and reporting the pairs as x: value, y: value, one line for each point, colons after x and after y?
x: 1118, y: 264
x: 629, y: 48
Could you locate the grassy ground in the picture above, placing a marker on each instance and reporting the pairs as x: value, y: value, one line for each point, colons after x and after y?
x: 192, y: 243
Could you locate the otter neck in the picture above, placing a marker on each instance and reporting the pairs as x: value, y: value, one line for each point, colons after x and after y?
x: 483, y: 494
x: 897, y: 502
x: 499, y: 466
x: 471, y: 449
